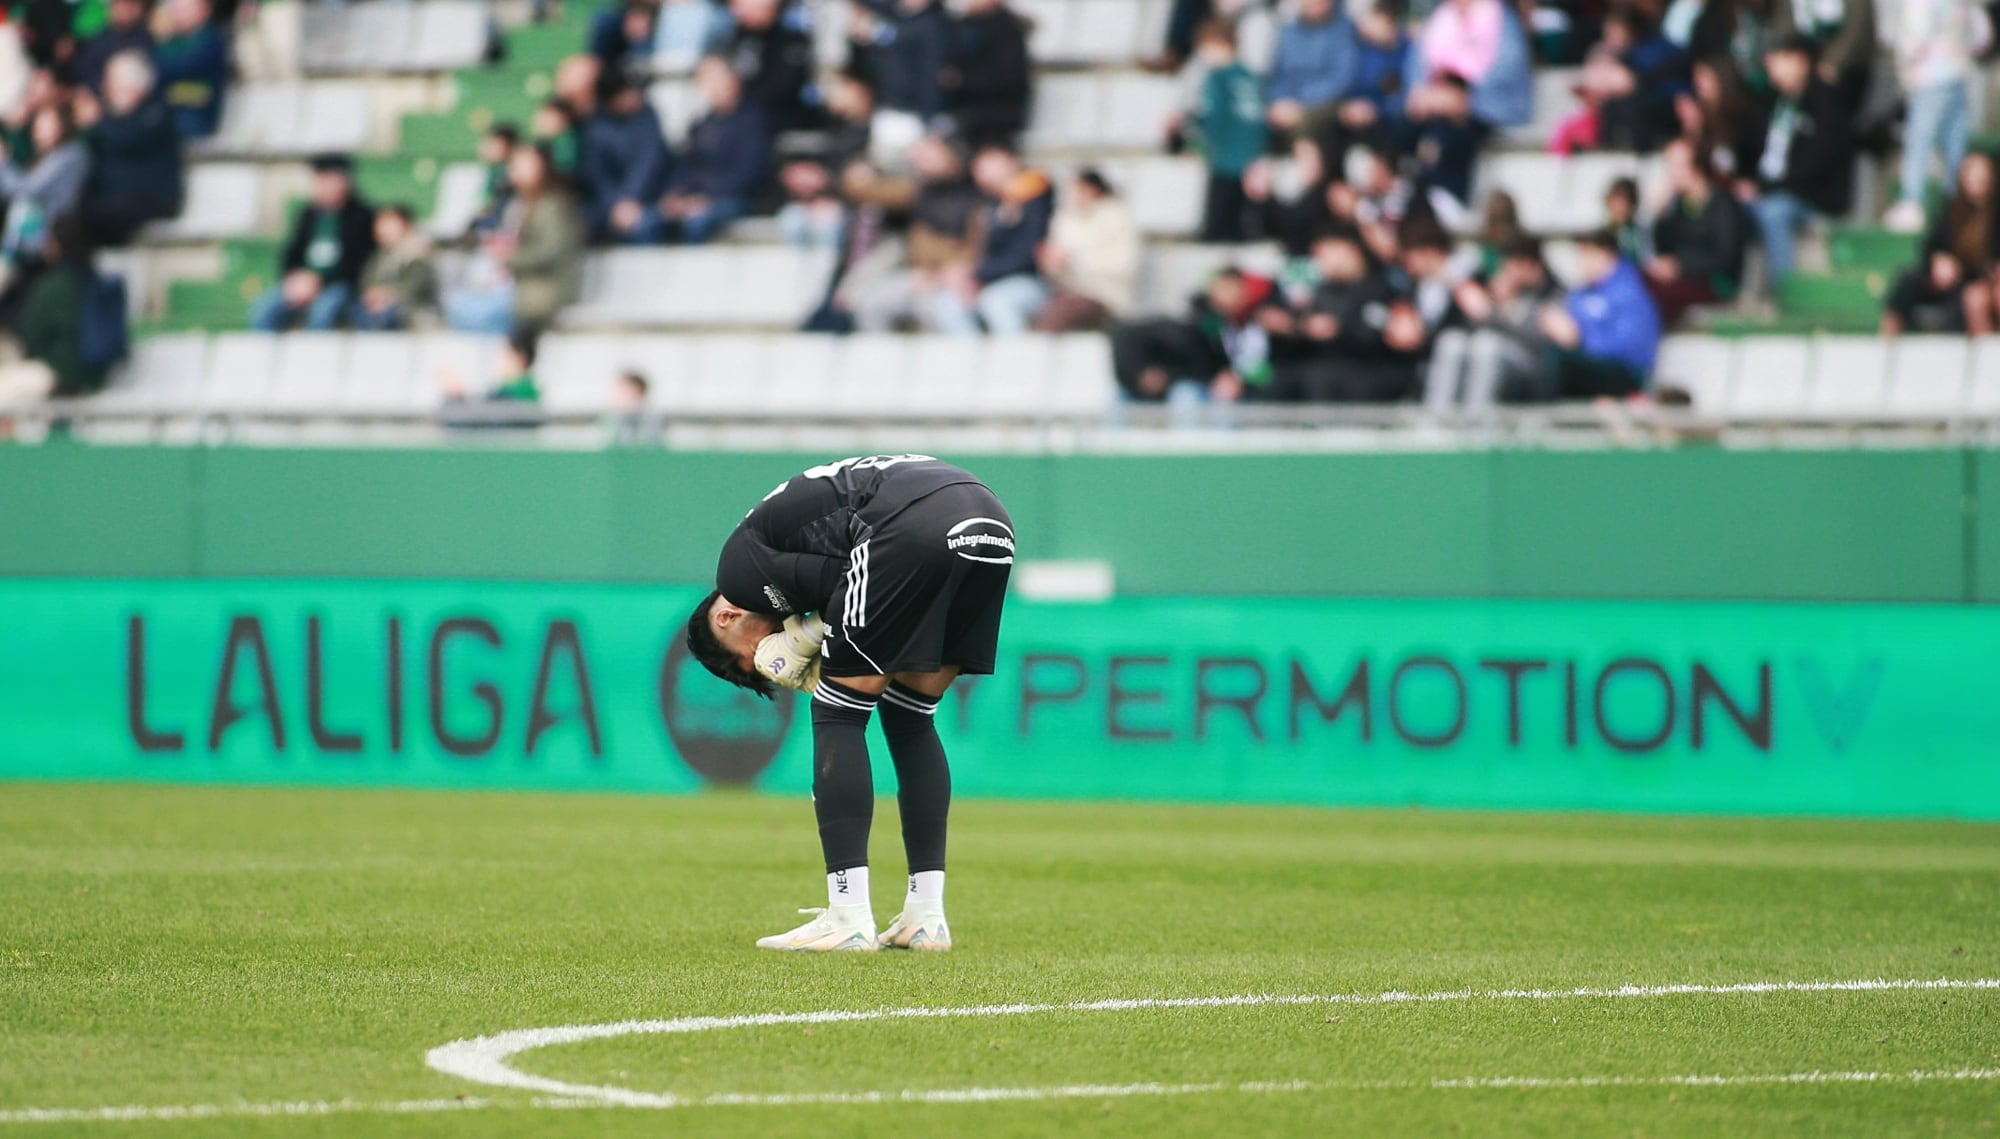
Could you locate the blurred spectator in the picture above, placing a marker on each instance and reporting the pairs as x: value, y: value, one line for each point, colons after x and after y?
x: 56, y: 357
x: 1382, y: 199
x: 1331, y: 348
x: 1629, y: 83
x: 577, y: 81
x: 1720, y: 117
x: 771, y: 50
x: 1929, y: 298
x: 1499, y: 230
x: 1842, y: 33
x: 727, y: 156
x: 1216, y: 352
x: 922, y: 278
x: 496, y: 146
x: 1011, y: 289
x: 903, y: 45
x: 555, y: 128
x: 1736, y: 31
x: 1314, y: 66
x: 1935, y: 48
x: 531, y: 267
x: 1444, y: 139
x: 627, y: 424
x: 1184, y: 18
x: 813, y: 215
x: 1968, y: 228
x: 1699, y: 238
x: 1495, y: 355
x: 621, y: 37
x: 135, y: 153
x: 1482, y: 42
x: 1621, y: 217
x: 509, y: 399
x: 1371, y: 108
x: 45, y: 191
x: 193, y: 61
x: 1429, y: 275
x: 1228, y: 125
x: 1607, y: 334
x: 688, y: 30
x: 124, y: 30
x: 1091, y: 259
x: 986, y: 77
x: 319, y: 269
x: 625, y: 167
x: 399, y: 285
x: 1807, y: 166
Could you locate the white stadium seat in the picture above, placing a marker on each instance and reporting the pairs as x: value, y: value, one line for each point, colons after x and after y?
x: 1535, y: 181
x: 169, y: 371
x: 943, y: 374
x: 1850, y: 376
x: 801, y: 376
x: 224, y: 199
x: 310, y: 370
x: 575, y: 370
x: 242, y: 368
x: 1082, y: 379
x: 871, y: 374
x: 1165, y: 194
x: 1983, y: 393
x: 461, y: 194
x: 1015, y: 375
x: 1771, y: 377
x: 731, y: 373
x: 1135, y: 109
x: 1100, y: 31
x: 1065, y: 113
x: 383, y: 375
x: 1927, y: 376
x: 335, y: 117
x: 449, y: 33
x: 1700, y: 365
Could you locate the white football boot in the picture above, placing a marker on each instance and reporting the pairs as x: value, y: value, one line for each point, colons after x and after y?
x: 920, y: 926
x: 832, y: 929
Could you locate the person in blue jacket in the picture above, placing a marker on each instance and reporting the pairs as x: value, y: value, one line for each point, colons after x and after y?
x: 1606, y: 335
x: 1313, y: 68
x: 725, y: 161
x: 624, y: 167
x: 193, y: 62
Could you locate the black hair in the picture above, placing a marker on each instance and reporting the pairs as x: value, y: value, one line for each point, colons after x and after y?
x: 1526, y: 247
x: 1792, y: 43
x: 1094, y: 178
x: 1454, y: 80
x: 704, y: 647
x: 1624, y: 187
x: 508, y: 133
x: 636, y: 378
x: 1600, y: 239
x: 401, y: 210
x: 522, y: 344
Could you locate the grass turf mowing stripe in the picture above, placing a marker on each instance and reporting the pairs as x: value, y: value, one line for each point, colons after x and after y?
x: 980, y: 1095
x: 483, y: 1059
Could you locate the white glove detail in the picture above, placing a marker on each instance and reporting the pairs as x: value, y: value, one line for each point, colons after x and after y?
x: 805, y: 635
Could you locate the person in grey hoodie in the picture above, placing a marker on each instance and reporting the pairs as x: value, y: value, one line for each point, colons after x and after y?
x: 47, y: 189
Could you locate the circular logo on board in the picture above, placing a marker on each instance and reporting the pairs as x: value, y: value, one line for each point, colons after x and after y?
x: 728, y: 735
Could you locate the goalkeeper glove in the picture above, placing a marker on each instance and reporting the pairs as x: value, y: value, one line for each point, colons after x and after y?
x: 790, y: 657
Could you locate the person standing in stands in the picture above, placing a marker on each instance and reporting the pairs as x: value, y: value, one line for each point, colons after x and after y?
x: 332, y: 237
x: 194, y: 66
x: 1228, y: 125
x: 725, y: 161
x: 124, y: 30
x: 771, y: 51
x: 1807, y: 166
x: 986, y: 79
x: 1842, y: 33
x: 1935, y: 47
x: 135, y: 153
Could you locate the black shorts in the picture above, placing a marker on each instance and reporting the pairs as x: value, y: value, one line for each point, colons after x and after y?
x: 925, y: 590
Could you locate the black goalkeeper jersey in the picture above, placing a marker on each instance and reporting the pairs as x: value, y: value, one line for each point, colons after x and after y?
x: 789, y: 554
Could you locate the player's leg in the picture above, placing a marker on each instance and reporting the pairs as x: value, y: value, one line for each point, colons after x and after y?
x: 923, y: 799
x: 844, y: 805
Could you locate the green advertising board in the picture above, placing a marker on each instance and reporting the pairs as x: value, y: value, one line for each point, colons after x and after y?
x: 1621, y: 705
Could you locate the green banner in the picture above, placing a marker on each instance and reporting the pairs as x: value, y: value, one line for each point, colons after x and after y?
x: 1671, y: 706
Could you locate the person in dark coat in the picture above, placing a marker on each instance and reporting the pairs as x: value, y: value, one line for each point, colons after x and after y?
x: 135, y: 154
x: 771, y: 50
x: 1699, y: 238
x: 624, y: 167
x: 904, y: 47
x: 1336, y: 346
x: 622, y: 38
x: 1807, y: 164
x: 726, y: 159
x: 194, y: 67
x: 319, y: 270
x: 124, y: 30
x: 986, y: 75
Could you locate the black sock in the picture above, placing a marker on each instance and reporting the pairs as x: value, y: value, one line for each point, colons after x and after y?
x: 923, y: 780
x: 843, y: 789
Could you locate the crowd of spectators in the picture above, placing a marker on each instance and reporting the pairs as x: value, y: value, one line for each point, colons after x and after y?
x: 1349, y: 135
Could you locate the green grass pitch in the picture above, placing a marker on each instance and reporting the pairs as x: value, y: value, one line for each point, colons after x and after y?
x: 236, y: 950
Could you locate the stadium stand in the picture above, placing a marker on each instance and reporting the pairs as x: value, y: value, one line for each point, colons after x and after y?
x: 409, y: 87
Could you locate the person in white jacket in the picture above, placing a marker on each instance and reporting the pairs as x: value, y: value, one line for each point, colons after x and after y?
x: 1091, y: 258
x: 1935, y: 47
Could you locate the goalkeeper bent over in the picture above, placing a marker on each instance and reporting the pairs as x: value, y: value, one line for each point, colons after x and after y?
x: 871, y: 583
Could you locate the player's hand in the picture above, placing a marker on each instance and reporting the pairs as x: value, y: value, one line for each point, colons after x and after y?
x: 776, y: 660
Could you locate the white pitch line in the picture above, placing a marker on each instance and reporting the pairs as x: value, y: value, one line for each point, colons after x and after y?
x: 985, y: 1095
x: 484, y: 1059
